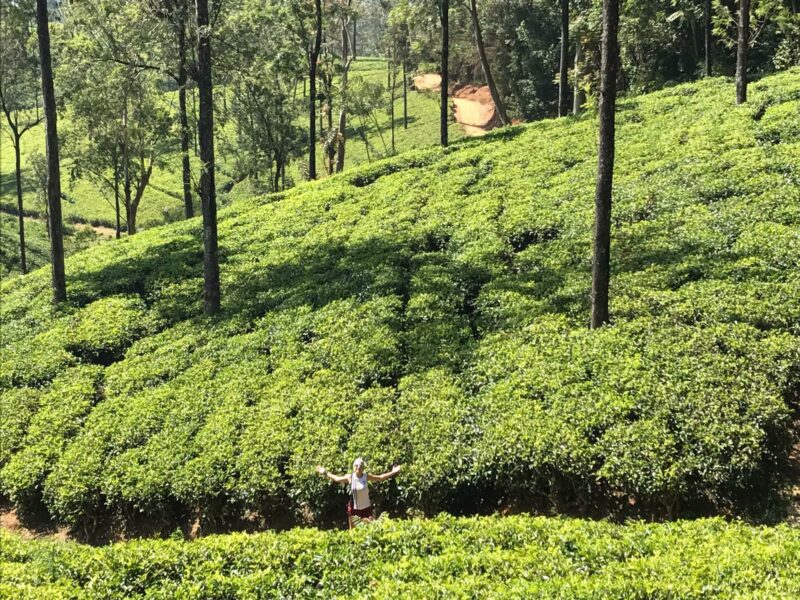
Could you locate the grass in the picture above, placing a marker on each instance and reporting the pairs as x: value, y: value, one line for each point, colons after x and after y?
x: 37, y: 243
x: 431, y: 309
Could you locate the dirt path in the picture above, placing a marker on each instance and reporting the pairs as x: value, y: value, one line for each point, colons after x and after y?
x: 101, y: 230
x: 10, y: 522
x: 473, y: 106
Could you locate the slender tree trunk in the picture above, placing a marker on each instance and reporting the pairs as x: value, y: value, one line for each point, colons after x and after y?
x: 331, y: 143
x: 132, y: 219
x: 23, y: 263
x: 405, y: 95
x: 708, y: 37
x: 342, y: 131
x: 116, y: 198
x: 211, y: 291
x: 194, y: 114
x: 605, y: 170
x: 59, y: 281
x: 563, y: 84
x: 183, y: 18
x: 391, y: 102
x: 321, y: 115
x: 312, y: 94
x: 578, y: 96
x: 487, y: 71
x: 741, y: 54
x: 126, y: 171
x: 445, y: 102
x: 355, y: 34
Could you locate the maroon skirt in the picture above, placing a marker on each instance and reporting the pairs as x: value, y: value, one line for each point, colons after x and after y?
x: 364, y: 513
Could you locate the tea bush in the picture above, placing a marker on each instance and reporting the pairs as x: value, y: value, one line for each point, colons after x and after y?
x: 511, y: 557
x: 431, y: 310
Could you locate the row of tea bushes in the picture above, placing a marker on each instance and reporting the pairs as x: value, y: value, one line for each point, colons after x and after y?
x: 488, y: 557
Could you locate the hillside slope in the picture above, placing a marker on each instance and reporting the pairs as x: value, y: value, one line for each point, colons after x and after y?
x: 431, y: 310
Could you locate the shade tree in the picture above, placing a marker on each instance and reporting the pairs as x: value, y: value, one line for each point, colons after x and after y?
x: 20, y: 92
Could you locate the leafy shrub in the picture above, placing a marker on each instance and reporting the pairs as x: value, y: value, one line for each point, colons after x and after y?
x: 62, y: 410
x: 101, y: 331
x: 511, y: 557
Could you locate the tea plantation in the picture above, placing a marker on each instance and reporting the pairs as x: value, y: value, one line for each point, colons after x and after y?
x: 85, y: 202
x: 513, y: 557
x: 431, y: 310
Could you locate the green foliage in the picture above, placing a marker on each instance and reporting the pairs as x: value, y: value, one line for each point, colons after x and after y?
x: 511, y: 557
x: 61, y: 412
x: 431, y: 310
x: 102, y: 330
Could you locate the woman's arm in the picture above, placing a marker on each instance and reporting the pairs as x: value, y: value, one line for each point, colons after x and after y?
x: 384, y: 476
x: 335, y: 478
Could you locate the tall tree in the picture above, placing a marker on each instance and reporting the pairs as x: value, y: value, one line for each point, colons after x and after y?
x: 741, y: 52
x: 445, y: 102
x: 563, y: 82
x: 114, y: 98
x: 709, y: 24
x: 19, y: 95
x: 347, y: 61
x: 313, y: 59
x: 59, y: 281
x: 178, y: 13
x: 208, y: 194
x: 609, y: 68
x: 487, y: 71
x: 405, y: 91
x: 578, y: 96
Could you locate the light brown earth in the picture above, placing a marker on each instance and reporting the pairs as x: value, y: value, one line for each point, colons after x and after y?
x: 107, y: 232
x: 472, y: 105
x: 10, y: 522
x: 428, y: 82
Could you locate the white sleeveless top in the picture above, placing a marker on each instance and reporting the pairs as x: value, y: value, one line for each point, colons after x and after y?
x: 359, y: 491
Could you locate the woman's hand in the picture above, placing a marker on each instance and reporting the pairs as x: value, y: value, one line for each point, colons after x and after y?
x: 395, y: 470
x: 322, y: 470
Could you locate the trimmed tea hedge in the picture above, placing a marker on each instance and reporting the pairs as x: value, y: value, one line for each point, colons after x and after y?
x: 511, y: 557
x: 431, y: 310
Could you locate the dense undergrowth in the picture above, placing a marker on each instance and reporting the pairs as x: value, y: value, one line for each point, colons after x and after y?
x: 431, y: 310
x: 514, y: 557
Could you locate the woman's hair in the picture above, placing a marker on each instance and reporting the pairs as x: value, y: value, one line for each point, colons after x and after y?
x: 358, y: 461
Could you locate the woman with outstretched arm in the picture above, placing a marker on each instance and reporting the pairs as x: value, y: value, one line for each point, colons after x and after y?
x: 359, y: 506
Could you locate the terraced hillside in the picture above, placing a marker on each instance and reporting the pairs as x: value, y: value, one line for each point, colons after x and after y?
x: 431, y: 310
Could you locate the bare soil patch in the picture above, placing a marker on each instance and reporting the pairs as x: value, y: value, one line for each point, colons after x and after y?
x: 106, y: 232
x: 475, y: 110
x: 472, y: 104
x: 9, y: 521
x: 427, y: 82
